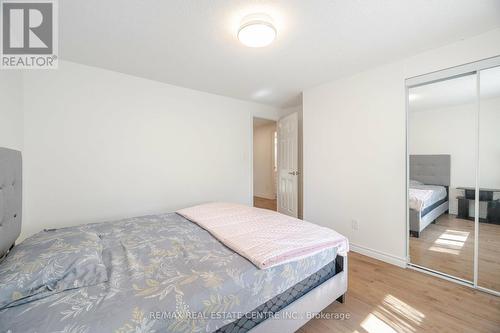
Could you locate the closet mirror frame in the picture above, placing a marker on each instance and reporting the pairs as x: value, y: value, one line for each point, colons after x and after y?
x: 474, y: 68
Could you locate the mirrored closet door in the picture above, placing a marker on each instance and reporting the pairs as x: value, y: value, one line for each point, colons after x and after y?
x: 489, y: 179
x: 442, y: 163
x: 453, y: 169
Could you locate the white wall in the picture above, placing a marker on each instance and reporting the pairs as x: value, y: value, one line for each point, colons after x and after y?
x: 11, y: 112
x: 489, y: 143
x: 452, y: 130
x: 101, y: 145
x: 263, y: 161
x: 354, y: 148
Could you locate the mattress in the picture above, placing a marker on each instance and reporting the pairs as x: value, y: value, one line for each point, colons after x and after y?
x: 279, y: 302
x: 422, y: 196
x: 433, y: 206
x: 167, y: 274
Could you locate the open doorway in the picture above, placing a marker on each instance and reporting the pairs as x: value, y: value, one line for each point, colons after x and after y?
x: 265, y: 164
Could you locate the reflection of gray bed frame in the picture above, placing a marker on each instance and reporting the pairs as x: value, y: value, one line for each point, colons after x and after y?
x: 431, y: 170
x: 291, y: 318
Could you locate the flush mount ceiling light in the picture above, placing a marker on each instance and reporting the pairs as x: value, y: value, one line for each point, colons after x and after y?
x: 256, y: 30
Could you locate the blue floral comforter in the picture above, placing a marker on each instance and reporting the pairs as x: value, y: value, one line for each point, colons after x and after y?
x: 165, y: 274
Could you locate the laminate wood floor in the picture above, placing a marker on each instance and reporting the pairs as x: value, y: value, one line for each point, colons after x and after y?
x: 385, y: 298
x: 264, y: 203
x: 448, y: 246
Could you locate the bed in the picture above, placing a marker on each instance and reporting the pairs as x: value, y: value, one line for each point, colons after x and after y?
x: 160, y: 273
x: 428, y: 190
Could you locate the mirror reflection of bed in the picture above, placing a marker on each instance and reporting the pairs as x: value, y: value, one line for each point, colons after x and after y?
x: 439, y: 240
x: 447, y: 245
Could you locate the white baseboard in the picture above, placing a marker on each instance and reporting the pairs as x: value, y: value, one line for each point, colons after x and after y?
x: 388, y: 258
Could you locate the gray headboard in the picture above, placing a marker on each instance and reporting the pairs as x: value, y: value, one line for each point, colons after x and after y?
x: 10, y: 198
x: 430, y: 169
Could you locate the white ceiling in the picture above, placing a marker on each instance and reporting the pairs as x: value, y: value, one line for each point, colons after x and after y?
x: 456, y: 91
x: 192, y: 43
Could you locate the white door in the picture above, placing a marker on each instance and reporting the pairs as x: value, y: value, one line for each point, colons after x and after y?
x: 288, y: 173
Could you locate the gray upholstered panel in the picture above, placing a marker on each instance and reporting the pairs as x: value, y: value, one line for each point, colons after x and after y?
x: 430, y: 169
x: 10, y: 198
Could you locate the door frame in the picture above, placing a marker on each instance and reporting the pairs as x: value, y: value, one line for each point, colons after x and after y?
x: 251, y: 157
x: 441, y: 75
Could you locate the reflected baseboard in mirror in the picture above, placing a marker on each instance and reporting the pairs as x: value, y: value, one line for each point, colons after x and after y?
x: 448, y: 246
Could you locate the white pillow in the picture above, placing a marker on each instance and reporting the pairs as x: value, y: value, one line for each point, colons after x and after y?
x: 415, y: 182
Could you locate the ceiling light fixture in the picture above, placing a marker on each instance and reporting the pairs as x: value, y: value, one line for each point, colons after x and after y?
x: 256, y: 30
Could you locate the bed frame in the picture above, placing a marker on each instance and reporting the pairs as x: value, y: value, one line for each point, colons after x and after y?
x: 310, y: 304
x: 430, y: 170
x: 302, y: 309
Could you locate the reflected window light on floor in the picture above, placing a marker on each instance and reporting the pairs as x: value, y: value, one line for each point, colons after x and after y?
x: 450, y: 241
x: 403, y: 309
x: 372, y: 324
x: 444, y: 250
x: 393, y: 315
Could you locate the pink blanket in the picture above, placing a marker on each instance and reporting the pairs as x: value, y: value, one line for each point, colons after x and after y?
x: 264, y: 237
